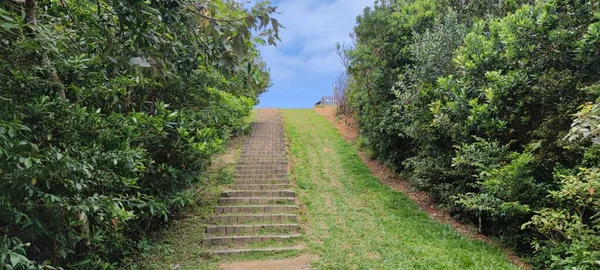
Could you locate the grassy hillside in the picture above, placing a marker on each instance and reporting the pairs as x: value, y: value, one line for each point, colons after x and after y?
x: 355, y: 222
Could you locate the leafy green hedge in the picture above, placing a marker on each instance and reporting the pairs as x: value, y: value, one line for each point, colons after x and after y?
x: 473, y: 103
x: 109, y: 112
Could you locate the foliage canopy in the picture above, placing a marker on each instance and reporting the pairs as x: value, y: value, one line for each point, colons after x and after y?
x: 472, y: 101
x: 110, y: 110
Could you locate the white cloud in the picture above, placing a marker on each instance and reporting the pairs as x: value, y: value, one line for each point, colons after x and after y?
x: 313, y: 28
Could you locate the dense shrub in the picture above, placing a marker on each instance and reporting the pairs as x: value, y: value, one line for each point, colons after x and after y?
x: 109, y: 112
x: 473, y: 102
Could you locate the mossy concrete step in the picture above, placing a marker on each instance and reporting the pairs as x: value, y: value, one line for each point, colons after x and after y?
x: 258, y: 193
x: 256, y: 200
x: 259, y: 187
x: 267, y: 126
x: 239, y: 229
x: 259, y: 158
x: 264, y: 148
x: 265, y: 151
x: 246, y: 239
x: 261, y: 143
x: 253, y: 218
x: 254, y: 160
x: 263, y: 155
x: 275, y: 128
x: 259, y: 176
x: 261, y: 138
x: 257, y: 144
x: 249, y: 209
x: 266, y: 131
x: 260, y: 171
x: 261, y: 182
x: 261, y: 167
x: 244, y: 163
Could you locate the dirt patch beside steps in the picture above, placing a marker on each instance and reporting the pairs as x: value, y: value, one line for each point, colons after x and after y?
x: 299, y: 263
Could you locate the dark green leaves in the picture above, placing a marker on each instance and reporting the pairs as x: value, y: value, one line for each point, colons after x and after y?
x: 145, y: 107
x: 472, y: 100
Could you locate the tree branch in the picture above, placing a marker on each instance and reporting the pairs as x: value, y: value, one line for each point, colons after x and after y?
x: 18, y: 2
x: 30, y: 19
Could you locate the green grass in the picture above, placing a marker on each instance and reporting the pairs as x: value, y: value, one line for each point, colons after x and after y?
x: 355, y: 222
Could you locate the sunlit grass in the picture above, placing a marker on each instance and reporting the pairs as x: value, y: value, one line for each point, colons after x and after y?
x: 355, y: 222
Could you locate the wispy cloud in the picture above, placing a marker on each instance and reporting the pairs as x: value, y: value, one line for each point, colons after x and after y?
x: 304, y: 65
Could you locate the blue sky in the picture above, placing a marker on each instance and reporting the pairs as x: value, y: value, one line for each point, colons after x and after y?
x: 304, y: 64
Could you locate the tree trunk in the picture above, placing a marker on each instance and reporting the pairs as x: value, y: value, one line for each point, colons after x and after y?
x: 30, y: 19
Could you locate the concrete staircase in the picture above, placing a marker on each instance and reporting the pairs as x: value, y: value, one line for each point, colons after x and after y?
x: 258, y: 212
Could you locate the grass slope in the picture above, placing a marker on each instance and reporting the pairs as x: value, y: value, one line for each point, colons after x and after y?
x: 355, y: 222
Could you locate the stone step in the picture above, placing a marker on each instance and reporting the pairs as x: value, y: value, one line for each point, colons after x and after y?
x: 263, y: 147
x: 258, y: 193
x: 225, y: 252
x: 255, y: 146
x: 254, y: 142
x: 261, y: 167
x: 257, y: 213
x: 264, y: 141
x: 261, y: 182
x: 249, y: 209
x: 259, y: 187
x: 264, y: 152
x: 243, y: 163
x: 268, y: 125
x: 239, y: 229
x: 263, y: 158
x: 261, y: 153
x: 259, y: 176
x: 256, y: 200
x: 245, y: 239
x: 262, y: 138
x: 253, y: 160
x: 261, y: 171
x: 253, y: 218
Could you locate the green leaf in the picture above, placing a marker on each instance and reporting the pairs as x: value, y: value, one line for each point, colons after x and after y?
x: 28, y: 163
x: 238, y: 46
x: 7, y: 18
x: 8, y: 26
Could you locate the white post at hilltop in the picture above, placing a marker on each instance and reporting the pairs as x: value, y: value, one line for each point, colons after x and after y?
x: 334, y: 93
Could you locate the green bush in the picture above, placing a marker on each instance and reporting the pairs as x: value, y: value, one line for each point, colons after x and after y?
x: 109, y: 112
x: 472, y: 102
x: 572, y: 227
